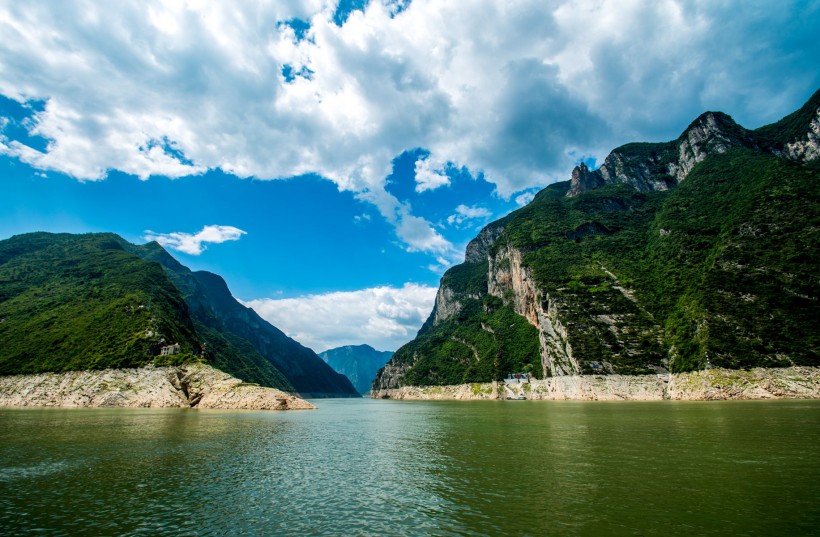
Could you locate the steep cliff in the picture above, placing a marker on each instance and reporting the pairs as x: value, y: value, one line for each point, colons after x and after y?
x: 696, y: 253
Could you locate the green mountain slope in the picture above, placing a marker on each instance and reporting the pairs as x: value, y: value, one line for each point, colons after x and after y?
x: 70, y: 302
x: 73, y: 302
x: 359, y: 363
x: 695, y: 253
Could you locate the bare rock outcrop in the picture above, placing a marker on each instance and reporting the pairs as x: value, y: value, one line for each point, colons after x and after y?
x: 479, y: 248
x: 713, y: 384
x: 508, y: 277
x: 192, y: 385
x: 808, y: 148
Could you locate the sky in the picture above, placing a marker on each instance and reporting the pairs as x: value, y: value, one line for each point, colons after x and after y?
x: 332, y: 160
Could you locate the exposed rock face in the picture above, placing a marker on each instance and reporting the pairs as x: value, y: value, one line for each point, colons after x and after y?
x: 389, y: 377
x: 194, y: 385
x: 479, y: 248
x: 712, y: 133
x: 714, y: 384
x: 547, y: 311
x: 446, y: 304
x: 508, y: 277
x: 808, y: 148
x: 583, y: 180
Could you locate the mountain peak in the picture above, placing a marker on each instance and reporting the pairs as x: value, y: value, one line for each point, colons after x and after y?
x: 659, y: 166
x: 583, y: 180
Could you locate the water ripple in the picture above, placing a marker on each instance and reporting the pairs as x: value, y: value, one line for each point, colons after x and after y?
x: 392, y: 468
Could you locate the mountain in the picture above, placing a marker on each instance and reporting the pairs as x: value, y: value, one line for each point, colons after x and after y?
x: 359, y: 363
x: 95, y: 301
x: 696, y: 253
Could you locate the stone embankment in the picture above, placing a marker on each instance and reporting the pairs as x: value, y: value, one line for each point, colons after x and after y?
x: 193, y: 385
x: 712, y: 384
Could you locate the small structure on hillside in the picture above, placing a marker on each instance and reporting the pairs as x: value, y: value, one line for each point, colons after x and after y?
x: 517, y: 378
x: 169, y: 350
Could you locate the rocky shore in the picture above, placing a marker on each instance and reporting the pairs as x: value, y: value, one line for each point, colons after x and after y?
x: 192, y: 385
x: 712, y: 384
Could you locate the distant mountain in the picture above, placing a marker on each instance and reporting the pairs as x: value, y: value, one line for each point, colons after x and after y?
x: 695, y: 253
x: 71, y: 302
x: 359, y: 363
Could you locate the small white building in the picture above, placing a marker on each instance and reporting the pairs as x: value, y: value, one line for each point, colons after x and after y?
x: 169, y: 350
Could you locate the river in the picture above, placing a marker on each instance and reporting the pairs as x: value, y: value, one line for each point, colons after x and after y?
x: 372, y: 467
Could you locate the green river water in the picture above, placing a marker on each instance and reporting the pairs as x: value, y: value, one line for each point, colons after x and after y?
x: 368, y: 467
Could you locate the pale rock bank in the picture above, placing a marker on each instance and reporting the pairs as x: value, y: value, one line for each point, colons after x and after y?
x: 712, y: 384
x: 192, y: 385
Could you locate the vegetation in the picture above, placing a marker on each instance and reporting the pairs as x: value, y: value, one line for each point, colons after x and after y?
x: 485, y: 341
x: 734, y: 274
x: 84, y: 302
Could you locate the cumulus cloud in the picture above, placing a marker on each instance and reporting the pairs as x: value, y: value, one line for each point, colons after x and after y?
x: 194, y: 244
x: 383, y: 317
x: 464, y: 214
x: 508, y: 91
x: 525, y: 197
x: 421, y: 237
x: 428, y: 177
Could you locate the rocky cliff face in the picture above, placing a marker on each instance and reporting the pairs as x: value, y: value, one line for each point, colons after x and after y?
x: 618, y: 321
x: 391, y: 375
x: 806, y: 149
x: 480, y: 247
x: 509, y: 279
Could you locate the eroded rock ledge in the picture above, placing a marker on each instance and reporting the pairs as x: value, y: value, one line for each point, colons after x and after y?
x: 193, y: 385
x: 713, y: 384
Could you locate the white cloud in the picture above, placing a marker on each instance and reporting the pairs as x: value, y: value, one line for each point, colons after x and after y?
x: 525, y: 197
x: 420, y: 236
x: 510, y: 90
x: 429, y: 176
x: 464, y: 214
x: 194, y: 244
x: 383, y: 317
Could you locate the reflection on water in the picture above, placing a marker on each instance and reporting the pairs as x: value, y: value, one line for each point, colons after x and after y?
x: 362, y: 467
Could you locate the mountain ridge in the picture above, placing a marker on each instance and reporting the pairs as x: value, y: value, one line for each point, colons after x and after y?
x: 359, y: 363
x: 660, y: 166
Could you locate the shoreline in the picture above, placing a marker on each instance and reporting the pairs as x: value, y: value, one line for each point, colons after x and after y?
x: 185, y: 386
x: 798, y: 382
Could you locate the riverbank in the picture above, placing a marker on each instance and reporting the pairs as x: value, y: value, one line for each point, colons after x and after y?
x: 712, y: 384
x: 187, y: 386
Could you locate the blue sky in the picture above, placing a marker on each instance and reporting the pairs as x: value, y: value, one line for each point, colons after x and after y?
x: 332, y: 160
